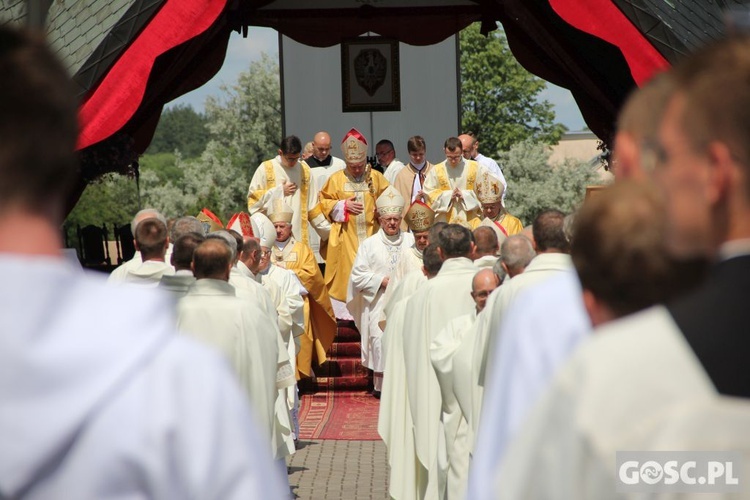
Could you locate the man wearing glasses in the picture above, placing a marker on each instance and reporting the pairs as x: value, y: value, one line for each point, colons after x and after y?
x: 287, y: 178
x: 449, y: 187
x: 377, y: 259
x: 389, y: 165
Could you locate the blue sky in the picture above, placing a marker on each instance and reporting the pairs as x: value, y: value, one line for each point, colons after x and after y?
x: 242, y: 51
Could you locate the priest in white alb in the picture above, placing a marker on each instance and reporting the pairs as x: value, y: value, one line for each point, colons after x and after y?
x: 395, y: 424
x: 376, y: 261
x: 433, y: 306
x: 419, y: 219
x: 458, y: 437
x: 237, y: 328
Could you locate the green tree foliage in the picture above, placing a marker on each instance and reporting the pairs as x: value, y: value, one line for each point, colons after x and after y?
x: 245, y: 121
x: 182, y: 129
x: 534, y: 185
x: 499, y: 97
x: 112, y: 200
x: 164, y: 165
x: 244, y: 125
x: 197, y: 160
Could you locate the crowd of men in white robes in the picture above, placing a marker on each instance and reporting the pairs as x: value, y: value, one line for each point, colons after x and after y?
x: 101, y: 397
x: 624, y: 333
x: 493, y: 385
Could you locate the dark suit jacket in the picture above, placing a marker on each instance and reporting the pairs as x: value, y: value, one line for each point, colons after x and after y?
x: 715, y: 320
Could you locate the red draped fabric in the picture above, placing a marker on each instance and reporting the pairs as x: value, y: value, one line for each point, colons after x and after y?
x: 118, y: 96
x: 604, y: 20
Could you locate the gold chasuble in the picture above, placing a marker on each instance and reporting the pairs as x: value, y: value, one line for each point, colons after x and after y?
x: 320, y: 322
x: 489, y: 190
x: 346, y: 236
x: 511, y: 224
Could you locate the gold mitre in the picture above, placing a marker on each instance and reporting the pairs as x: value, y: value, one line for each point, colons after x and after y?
x: 354, y: 147
x: 280, y: 211
x: 390, y: 202
x: 499, y: 231
x: 489, y: 189
x: 420, y: 217
x: 210, y: 221
x: 240, y: 222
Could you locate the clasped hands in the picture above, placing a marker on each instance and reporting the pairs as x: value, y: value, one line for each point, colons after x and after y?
x: 457, y: 195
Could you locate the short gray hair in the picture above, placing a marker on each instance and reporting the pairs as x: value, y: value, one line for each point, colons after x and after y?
x: 185, y: 225
x: 146, y: 213
x: 516, y: 252
x: 499, y: 270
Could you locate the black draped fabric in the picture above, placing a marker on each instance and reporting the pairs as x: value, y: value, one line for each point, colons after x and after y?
x: 600, y: 50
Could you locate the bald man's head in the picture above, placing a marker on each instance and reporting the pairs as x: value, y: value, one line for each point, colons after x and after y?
x: 484, y: 282
x: 321, y: 145
x: 467, y: 146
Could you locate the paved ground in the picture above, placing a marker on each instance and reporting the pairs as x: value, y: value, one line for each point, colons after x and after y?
x: 331, y: 470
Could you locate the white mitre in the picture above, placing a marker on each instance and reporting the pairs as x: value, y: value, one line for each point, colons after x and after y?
x: 489, y: 189
x: 390, y: 202
x: 263, y: 229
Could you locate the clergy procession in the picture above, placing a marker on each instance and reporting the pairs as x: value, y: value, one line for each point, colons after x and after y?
x: 506, y: 361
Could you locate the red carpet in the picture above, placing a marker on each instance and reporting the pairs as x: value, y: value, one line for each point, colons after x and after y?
x: 349, y: 416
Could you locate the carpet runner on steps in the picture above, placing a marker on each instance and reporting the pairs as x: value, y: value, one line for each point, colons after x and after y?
x: 343, y: 371
x: 336, y: 403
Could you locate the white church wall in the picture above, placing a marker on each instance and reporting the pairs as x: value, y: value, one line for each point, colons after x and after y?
x: 312, y: 99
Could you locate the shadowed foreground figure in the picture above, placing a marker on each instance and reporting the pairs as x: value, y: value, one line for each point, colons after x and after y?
x: 671, y: 377
x: 100, y: 398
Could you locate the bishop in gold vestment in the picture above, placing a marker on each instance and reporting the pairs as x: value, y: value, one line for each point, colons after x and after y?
x: 489, y: 190
x: 320, y: 322
x: 348, y: 201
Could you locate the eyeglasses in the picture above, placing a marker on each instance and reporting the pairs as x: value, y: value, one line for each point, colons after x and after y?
x: 265, y: 253
x: 383, y: 153
x: 454, y: 156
